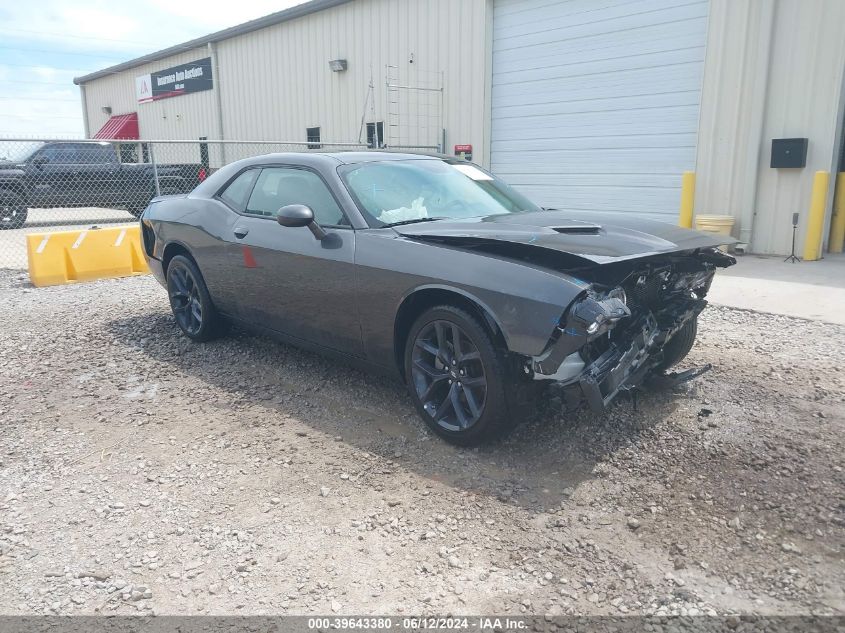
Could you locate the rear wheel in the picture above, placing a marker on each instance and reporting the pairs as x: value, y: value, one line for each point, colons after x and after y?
x: 190, y: 301
x: 13, y: 210
x: 456, y: 376
x: 679, y: 345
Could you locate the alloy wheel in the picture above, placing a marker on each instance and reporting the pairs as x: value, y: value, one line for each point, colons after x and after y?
x: 9, y: 212
x: 185, y: 299
x: 448, y: 375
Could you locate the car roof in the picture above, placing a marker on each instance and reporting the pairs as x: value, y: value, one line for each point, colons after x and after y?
x: 341, y: 157
x: 369, y: 156
x: 329, y: 160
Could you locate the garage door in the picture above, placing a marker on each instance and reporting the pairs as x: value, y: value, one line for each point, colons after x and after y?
x: 595, y: 102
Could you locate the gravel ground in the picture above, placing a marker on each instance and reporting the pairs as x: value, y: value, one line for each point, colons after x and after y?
x: 141, y: 473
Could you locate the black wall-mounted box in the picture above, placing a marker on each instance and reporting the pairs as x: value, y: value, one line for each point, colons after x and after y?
x: 789, y: 152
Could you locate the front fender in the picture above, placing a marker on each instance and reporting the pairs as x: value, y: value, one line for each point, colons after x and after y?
x: 525, y: 301
x: 466, y: 294
x: 13, y: 180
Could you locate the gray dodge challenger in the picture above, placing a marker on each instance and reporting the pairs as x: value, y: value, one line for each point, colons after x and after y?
x: 432, y: 269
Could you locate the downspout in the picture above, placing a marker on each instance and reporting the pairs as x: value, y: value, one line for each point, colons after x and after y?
x: 218, y: 100
x: 758, y: 112
x: 84, y: 99
x: 487, y: 103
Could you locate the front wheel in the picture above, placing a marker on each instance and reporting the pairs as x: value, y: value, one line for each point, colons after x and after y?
x: 13, y: 210
x: 679, y: 345
x: 456, y: 376
x: 190, y: 301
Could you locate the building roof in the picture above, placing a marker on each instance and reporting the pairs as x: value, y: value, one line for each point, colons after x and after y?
x: 247, y: 27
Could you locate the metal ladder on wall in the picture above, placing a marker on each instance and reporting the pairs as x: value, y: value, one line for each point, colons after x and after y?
x: 428, y: 125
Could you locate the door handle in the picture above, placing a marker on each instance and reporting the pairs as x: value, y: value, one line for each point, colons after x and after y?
x: 240, y: 232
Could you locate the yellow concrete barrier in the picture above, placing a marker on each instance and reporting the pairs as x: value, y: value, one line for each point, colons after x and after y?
x: 70, y: 256
x: 815, y: 223
x: 687, y: 199
x: 837, y: 224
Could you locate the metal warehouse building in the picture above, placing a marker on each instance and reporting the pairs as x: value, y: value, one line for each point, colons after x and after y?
x: 585, y: 104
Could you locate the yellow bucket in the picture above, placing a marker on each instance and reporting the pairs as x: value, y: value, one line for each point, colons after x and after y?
x: 721, y: 224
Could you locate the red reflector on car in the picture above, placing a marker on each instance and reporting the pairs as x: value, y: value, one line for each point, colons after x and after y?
x: 249, y: 259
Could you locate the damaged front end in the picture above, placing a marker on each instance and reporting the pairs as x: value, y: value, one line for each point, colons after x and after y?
x: 615, y: 334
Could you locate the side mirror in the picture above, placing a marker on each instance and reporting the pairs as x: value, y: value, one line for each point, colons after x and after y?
x: 299, y: 215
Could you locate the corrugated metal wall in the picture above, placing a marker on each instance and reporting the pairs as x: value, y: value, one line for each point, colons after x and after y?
x: 186, y: 117
x: 774, y: 69
x: 278, y: 80
x: 595, y: 102
x: 275, y: 82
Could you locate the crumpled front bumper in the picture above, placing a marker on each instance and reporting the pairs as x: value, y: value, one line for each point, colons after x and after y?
x: 621, y: 368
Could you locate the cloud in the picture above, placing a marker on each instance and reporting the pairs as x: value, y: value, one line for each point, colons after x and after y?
x: 46, y: 43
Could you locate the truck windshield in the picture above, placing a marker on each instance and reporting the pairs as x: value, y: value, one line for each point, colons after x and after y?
x: 18, y: 152
x: 404, y: 191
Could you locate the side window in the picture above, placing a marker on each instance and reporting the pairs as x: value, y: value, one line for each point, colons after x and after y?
x: 280, y: 186
x: 57, y: 154
x: 128, y: 152
x: 92, y: 154
x: 236, y: 194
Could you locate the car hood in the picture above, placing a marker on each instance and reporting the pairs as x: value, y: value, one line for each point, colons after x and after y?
x: 596, y: 238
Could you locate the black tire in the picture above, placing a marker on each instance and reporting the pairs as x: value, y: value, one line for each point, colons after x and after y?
x: 13, y: 210
x: 189, y: 299
x: 679, y: 345
x: 432, y: 377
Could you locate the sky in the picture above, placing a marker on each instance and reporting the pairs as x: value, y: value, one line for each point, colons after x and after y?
x: 44, y: 44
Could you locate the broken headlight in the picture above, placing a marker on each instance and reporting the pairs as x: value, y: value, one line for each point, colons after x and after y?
x: 596, y: 314
x: 694, y: 285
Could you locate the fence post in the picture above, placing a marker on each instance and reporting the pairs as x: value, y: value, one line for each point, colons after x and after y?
x: 687, y: 199
x: 155, y: 168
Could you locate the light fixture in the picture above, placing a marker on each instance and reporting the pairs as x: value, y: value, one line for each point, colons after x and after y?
x: 106, y: 109
x: 337, y: 65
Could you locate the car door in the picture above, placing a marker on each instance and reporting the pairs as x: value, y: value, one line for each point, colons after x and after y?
x: 51, y: 175
x: 289, y: 281
x: 96, y: 174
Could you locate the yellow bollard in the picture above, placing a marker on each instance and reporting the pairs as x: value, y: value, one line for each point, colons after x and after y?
x: 815, y: 223
x: 687, y: 199
x: 837, y: 223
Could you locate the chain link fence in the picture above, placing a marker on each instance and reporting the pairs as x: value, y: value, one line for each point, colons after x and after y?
x: 55, y: 185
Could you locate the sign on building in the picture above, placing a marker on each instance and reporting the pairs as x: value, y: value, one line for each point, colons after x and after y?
x: 173, y: 82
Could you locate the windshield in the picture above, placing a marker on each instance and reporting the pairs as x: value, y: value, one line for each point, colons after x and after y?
x: 18, y: 152
x: 403, y: 191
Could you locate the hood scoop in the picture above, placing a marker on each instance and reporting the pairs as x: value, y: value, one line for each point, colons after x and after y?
x: 577, y: 229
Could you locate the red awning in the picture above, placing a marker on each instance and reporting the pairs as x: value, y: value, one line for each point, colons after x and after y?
x: 123, y: 126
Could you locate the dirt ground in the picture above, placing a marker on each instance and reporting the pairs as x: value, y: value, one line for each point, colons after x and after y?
x: 141, y: 473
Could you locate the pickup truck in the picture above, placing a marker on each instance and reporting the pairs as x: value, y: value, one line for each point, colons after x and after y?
x: 82, y: 174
